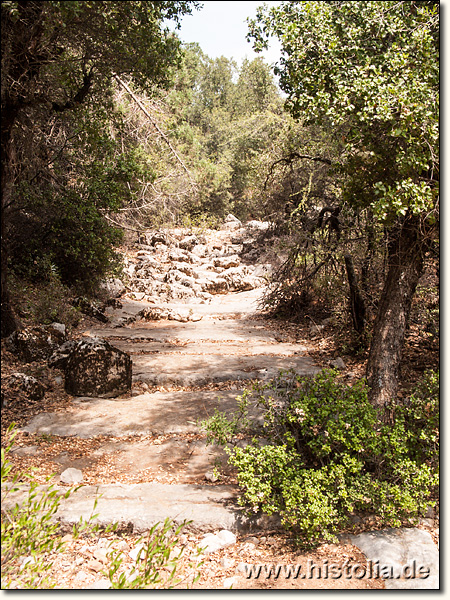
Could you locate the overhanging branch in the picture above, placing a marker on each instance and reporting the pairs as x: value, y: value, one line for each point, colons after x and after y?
x: 293, y: 156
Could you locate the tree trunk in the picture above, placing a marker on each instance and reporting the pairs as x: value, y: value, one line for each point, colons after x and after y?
x: 406, y: 255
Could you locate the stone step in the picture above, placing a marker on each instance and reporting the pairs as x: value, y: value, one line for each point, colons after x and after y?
x: 229, y: 330
x: 149, y: 413
x: 188, y: 370
x: 194, y: 348
x: 140, y: 506
x: 164, y: 459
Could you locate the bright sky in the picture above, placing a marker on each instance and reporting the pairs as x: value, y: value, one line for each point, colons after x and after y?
x: 220, y: 29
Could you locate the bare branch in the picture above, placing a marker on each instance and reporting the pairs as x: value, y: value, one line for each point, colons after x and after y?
x: 293, y: 156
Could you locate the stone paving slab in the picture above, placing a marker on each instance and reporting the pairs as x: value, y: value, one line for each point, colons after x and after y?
x: 140, y: 506
x: 232, y: 348
x: 235, y: 303
x: 186, y: 370
x: 229, y: 330
x: 402, y: 553
x: 159, y: 412
x: 185, y: 459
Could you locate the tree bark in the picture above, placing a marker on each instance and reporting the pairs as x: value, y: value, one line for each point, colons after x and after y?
x: 406, y: 255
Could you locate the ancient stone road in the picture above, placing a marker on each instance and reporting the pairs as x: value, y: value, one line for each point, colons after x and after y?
x: 219, y: 341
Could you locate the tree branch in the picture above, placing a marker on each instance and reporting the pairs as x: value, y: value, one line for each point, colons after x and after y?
x: 79, y: 96
x: 148, y: 115
x: 292, y: 156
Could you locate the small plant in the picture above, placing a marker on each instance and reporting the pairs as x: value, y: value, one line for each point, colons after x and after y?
x: 157, y: 562
x: 323, y: 452
x: 29, y: 537
x: 28, y: 533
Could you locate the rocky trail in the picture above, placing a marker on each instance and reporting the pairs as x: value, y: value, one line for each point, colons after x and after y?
x: 189, y: 318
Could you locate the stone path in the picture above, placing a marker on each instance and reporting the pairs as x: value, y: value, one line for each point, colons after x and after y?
x: 225, y: 345
x: 220, y: 341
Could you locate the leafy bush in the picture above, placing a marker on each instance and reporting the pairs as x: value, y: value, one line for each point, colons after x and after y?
x: 324, y: 453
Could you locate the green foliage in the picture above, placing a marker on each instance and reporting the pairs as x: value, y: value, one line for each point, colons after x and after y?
x: 62, y: 228
x: 324, y: 452
x: 44, y: 302
x: 369, y: 73
x: 156, y: 564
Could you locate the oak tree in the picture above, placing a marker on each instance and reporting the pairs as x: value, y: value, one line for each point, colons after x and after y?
x: 368, y: 73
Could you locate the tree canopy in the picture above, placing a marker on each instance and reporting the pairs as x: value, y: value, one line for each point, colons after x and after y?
x: 368, y: 72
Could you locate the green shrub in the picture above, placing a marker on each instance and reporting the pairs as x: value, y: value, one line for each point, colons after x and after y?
x: 324, y: 453
x: 44, y: 302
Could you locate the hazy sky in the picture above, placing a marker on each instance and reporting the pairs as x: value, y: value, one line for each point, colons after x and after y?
x: 220, y: 29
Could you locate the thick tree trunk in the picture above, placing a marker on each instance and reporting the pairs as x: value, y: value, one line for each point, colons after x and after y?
x: 406, y: 258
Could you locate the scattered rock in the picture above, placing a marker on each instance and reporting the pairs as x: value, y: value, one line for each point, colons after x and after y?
x: 259, y: 225
x: 213, y: 542
x: 252, y: 540
x: 228, y: 538
x: 227, y: 262
x: 71, y: 476
x: 95, y: 565
x: 114, y: 287
x: 96, y: 369
x: 28, y: 385
x: 81, y: 577
x: 229, y: 582
x: 231, y: 223
x: 101, y: 555
x: 337, y: 364
x: 316, y: 329
x: 101, y: 584
x: 89, y: 309
x: 159, y: 238
x: 36, y: 343
x: 211, y: 476
x: 138, y: 550
x: 227, y: 563
x: 188, y: 242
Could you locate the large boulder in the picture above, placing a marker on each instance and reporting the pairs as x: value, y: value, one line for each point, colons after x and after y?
x: 36, y: 343
x: 95, y: 368
x: 61, y: 355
